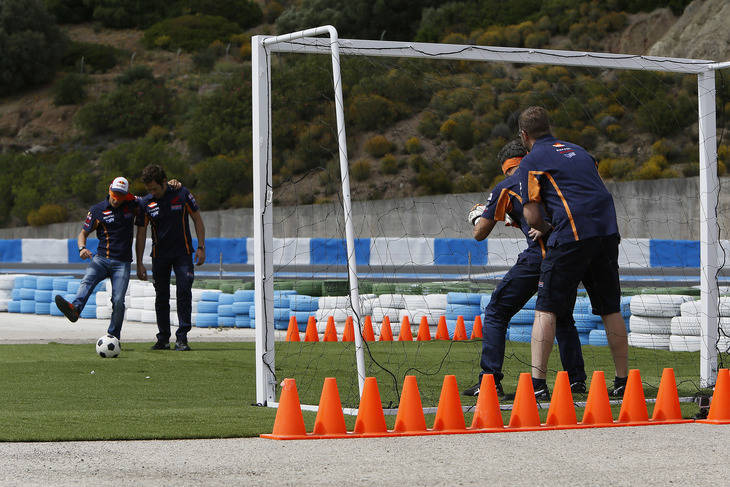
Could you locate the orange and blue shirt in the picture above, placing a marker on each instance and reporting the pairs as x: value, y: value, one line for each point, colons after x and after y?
x: 114, y: 228
x: 168, y: 219
x: 564, y: 178
x: 505, y: 200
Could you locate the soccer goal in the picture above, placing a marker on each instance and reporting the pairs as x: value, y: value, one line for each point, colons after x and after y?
x: 357, y: 247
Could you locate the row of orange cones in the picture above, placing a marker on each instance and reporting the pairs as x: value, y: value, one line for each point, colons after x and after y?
x: 410, y: 420
x: 386, y: 332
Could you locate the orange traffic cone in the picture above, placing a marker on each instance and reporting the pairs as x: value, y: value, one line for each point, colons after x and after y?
x: 367, y: 330
x: 598, y: 406
x: 667, y: 407
x: 424, y: 332
x: 410, y: 411
x: 330, y: 333
x: 720, y: 405
x: 370, y: 418
x: 449, y: 415
x: 524, y: 409
x: 562, y: 409
x: 292, y: 333
x: 633, y: 408
x: 442, y: 331
x: 386, y: 333
x: 311, y: 335
x: 487, y: 413
x: 405, y: 334
x: 289, y: 422
x: 460, y: 330
x: 330, y: 420
x: 349, y: 334
x: 476, y: 331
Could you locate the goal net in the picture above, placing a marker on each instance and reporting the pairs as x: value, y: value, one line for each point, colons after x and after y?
x: 368, y: 156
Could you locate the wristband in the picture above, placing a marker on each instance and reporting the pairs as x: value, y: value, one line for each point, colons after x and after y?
x: 201, y: 247
x: 82, y: 248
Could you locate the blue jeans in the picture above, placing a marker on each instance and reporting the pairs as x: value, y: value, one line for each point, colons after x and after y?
x: 515, y: 289
x: 184, y: 276
x: 99, y: 269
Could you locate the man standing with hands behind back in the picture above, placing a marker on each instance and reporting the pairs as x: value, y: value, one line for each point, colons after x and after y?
x: 167, y: 210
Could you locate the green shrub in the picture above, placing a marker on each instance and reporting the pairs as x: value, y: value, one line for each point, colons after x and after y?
x: 429, y: 125
x: 414, y: 146
x: 447, y: 128
x: 648, y: 170
x: 69, y: 11
x: 47, y: 214
x: 360, y: 170
x: 468, y: 183
x: 70, y: 90
x: 31, y: 45
x: 221, y: 177
x: 378, y: 146
x: 205, y: 59
x: 91, y: 58
x: 616, y: 133
x: 463, y: 130
x: 372, y: 112
x: 452, y: 100
x: 434, y: 181
x: 122, y: 14
x: 130, y: 158
x: 389, y: 164
x: 191, y: 32
x: 588, y: 137
x: 245, y: 13
x: 664, y: 116
x: 615, y: 168
x: 135, y: 73
x: 129, y: 111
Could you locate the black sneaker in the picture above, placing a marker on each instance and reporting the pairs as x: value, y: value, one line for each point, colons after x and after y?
x: 161, y: 346
x: 542, y: 394
x: 182, y: 346
x: 578, y: 387
x: 619, y: 386
x: 473, y: 391
x: 67, y: 309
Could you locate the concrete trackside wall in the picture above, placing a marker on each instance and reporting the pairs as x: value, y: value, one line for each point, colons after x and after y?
x: 659, y: 209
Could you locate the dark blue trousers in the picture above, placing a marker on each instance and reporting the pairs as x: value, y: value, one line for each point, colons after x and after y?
x: 515, y: 289
x: 184, y: 277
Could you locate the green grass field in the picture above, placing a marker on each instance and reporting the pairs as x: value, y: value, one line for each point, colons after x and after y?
x: 65, y: 392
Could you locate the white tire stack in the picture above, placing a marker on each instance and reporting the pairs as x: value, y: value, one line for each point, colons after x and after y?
x: 651, y: 319
x: 432, y: 306
x: 686, y: 327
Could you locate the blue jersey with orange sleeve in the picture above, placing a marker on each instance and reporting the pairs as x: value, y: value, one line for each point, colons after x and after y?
x: 168, y: 218
x: 564, y: 178
x: 114, y: 228
x: 505, y: 199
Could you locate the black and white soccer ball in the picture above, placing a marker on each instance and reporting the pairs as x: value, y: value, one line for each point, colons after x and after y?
x: 108, y: 346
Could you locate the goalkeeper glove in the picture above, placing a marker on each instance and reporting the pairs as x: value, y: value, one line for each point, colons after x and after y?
x: 475, y: 213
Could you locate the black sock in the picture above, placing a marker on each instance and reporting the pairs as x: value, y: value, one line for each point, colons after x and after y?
x: 619, y: 381
x: 538, y: 384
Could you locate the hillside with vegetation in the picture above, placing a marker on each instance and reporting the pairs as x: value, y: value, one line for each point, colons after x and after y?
x: 93, y: 89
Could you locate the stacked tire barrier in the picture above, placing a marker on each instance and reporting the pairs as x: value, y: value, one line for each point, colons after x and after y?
x: 685, y: 328
x: 139, y: 303
x: 242, y: 302
x: 520, y: 326
x: 466, y: 305
x: 35, y: 294
x: 432, y: 306
x: 651, y: 319
x: 207, y: 309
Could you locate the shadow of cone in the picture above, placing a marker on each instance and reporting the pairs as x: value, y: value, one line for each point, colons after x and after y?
x: 410, y: 411
x: 476, y: 330
x: 487, y: 414
x: 367, y: 330
x: 562, y: 409
x: 292, y: 333
x: 524, y: 409
x: 349, y: 334
x: 633, y: 408
x: 370, y: 417
x: 460, y: 330
x: 405, y: 334
x: 386, y: 333
x: 330, y: 333
x: 311, y: 335
x: 424, y: 332
x: 720, y: 405
x: 449, y: 415
x: 666, y: 408
x: 330, y: 420
x: 289, y: 422
x: 442, y: 331
x: 598, y: 406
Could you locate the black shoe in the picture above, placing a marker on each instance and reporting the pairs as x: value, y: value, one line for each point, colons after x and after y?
x: 542, y: 394
x: 619, y: 386
x: 182, y: 346
x: 161, y: 346
x: 67, y: 309
x: 578, y: 387
x: 473, y: 391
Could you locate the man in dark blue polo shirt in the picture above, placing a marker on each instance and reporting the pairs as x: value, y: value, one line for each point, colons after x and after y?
x: 113, y: 220
x: 582, y: 244
x: 520, y: 283
x: 167, y: 210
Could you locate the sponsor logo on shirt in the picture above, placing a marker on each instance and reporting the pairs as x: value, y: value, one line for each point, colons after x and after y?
x: 153, y: 209
x: 176, y: 207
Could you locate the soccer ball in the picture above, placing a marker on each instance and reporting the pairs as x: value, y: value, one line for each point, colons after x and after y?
x: 108, y: 346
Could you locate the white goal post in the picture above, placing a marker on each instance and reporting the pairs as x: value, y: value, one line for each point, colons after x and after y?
x: 308, y: 42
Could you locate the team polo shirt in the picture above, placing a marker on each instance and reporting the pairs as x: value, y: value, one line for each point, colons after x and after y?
x: 564, y: 177
x: 114, y: 228
x: 504, y: 200
x: 168, y: 219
